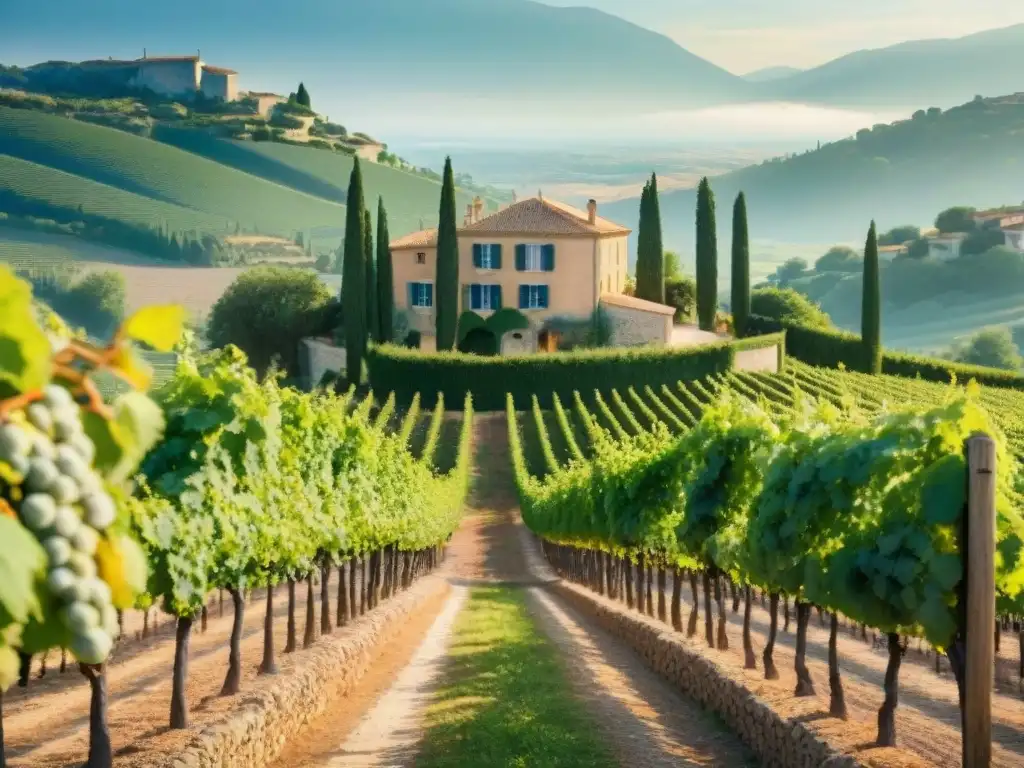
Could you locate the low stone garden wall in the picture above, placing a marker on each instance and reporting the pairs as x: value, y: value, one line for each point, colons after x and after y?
x: 255, y: 732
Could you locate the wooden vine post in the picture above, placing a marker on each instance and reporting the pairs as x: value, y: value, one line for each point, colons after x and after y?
x: 979, y: 572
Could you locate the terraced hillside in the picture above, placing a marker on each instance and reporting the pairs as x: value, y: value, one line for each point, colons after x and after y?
x: 213, y: 188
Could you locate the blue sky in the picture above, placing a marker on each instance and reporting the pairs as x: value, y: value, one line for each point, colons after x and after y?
x: 744, y: 35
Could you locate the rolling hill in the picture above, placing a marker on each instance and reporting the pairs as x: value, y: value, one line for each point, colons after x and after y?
x: 193, y: 181
x: 902, y: 173
x: 940, y: 72
x: 770, y: 74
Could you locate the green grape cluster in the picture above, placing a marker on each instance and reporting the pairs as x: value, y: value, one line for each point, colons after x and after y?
x: 62, y: 501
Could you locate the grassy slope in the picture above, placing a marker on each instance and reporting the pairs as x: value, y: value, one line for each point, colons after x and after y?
x: 162, y: 172
x: 504, y: 700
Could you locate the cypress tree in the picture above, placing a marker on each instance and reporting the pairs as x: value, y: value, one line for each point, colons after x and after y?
x: 353, y: 279
x: 656, y: 256
x: 385, y: 276
x: 372, y: 313
x: 707, y: 257
x: 740, y: 266
x: 642, y: 265
x: 871, y: 306
x: 302, y: 96
x: 446, y: 283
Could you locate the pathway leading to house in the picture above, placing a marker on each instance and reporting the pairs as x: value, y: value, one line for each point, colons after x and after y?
x: 394, y: 716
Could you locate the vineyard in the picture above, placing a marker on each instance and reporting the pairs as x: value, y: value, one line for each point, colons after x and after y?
x: 218, y: 483
x: 821, y: 490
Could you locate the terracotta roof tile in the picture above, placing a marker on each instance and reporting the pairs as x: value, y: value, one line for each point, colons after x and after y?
x: 631, y: 302
x: 425, y: 238
x: 539, y: 216
x: 161, y: 59
x: 218, y: 70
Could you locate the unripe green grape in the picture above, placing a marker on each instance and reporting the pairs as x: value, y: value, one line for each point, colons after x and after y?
x: 64, y: 490
x: 62, y: 582
x: 58, y: 551
x: 92, y: 647
x: 14, y: 441
x: 70, y: 463
x: 84, y: 446
x: 85, y: 540
x: 66, y: 427
x: 82, y: 565
x: 40, y: 417
x: 38, y: 512
x: 57, y: 397
x: 67, y: 522
x: 100, y: 511
x: 80, y: 617
x: 19, y: 464
x: 97, y: 592
x: 41, y: 475
x: 109, y: 620
x: 43, y: 447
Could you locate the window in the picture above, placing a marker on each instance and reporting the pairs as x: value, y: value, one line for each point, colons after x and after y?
x: 487, y: 255
x: 484, y: 297
x: 421, y: 295
x: 535, y: 258
x: 421, y: 258
x: 533, y: 297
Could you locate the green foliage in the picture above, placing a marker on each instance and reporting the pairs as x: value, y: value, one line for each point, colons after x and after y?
x: 385, y: 278
x: 673, y: 266
x: 372, y: 297
x: 900, y: 235
x: 788, y: 307
x: 871, y: 306
x: 408, y: 372
x: 956, y: 219
x: 446, y: 285
x: 992, y: 348
x: 840, y: 258
x: 302, y: 96
x: 266, y: 312
x: 353, y: 278
x: 707, y: 257
x: 740, y: 288
x: 681, y: 293
x: 788, y: 271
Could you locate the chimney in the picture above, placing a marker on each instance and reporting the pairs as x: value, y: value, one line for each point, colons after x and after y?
x: 478, y: 209
x: 592, y: 211
x: 468, y: 218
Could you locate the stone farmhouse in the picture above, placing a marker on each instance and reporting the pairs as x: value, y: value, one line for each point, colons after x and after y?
x: 177, y: 76
x: 543, y: 258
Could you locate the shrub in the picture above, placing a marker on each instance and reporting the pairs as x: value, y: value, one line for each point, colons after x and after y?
x: 681, y: 293
x: 267, y: 311
x: 171, y: 111
x: 451, y: 374
x: 840, y: 258
x: 788, y: 306
x: 412, y: 339
x: 283, y: 120
x: 991, y: 347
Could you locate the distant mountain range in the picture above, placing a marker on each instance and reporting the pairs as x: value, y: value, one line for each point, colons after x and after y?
x: 770, y: 74
x: 504, y: 52
x: 900, y: 173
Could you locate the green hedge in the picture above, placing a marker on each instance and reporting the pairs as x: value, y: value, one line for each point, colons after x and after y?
x: 828, y: 348
x: 408, y: 372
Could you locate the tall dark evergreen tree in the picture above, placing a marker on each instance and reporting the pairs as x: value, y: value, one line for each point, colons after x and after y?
x: 650, y: 262
x: 302, y: 96
x: 353, y: 277
x: 871, y: 306
x: 740, y: 266
x: 372, y: 313
x: 446, y: 288
x: 707, y: 257
x: 385, y: 277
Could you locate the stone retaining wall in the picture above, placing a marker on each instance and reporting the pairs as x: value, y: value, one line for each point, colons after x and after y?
x: 257, y: 729
x: 778, y: 741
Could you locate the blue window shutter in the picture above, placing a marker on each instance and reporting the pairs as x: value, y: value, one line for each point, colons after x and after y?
x: 542, y: 297
x: 495, y: 297
x: 548, y: 258
x: 477, y: 255
x: 521, y: 258
x: 496, y: 256
x: 524, y: 296
x: 411, y: 290
x: 430, y: 294
x: 474, y: 296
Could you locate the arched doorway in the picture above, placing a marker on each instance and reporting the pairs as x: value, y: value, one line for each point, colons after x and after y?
x: 479, y: 341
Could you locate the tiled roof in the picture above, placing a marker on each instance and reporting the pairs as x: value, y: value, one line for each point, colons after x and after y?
x: 631, y: 302
x: 218, y: 70
x: 263, y: 94
x: 162, y: 59
x: 540, y: 216
x: 425, y: 238
x: 892, y: 248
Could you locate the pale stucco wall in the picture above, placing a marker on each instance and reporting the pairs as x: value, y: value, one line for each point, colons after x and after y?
x: 217, y: 85
x: 322, y: 357
x: 613, y: 259
x: 169, y: 77
x: 406, y: 269
x: 264, y: 104
x: 636, y: 327
x: 765, y: 359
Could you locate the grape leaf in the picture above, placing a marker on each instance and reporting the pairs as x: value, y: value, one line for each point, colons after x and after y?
x: 22, y: 561
x: 159, y: 327
x: 944, y: 490
x: 123, y: 441
x: 24, y: 348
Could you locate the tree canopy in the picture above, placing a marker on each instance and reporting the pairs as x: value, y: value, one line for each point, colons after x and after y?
x: 788, y: 306
x: 993, y: 347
